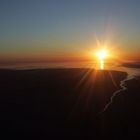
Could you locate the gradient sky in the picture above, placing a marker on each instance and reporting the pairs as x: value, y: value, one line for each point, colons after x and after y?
x: 51, y: 30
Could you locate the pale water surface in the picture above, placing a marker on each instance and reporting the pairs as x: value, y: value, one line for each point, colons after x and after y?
x: 132, y: 72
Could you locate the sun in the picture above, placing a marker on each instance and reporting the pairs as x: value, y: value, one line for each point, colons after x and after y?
x: 101, y: 54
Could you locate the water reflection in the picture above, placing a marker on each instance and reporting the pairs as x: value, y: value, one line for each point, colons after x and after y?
x: 102, y: 63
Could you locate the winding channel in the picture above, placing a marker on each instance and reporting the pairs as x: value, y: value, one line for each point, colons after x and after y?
x: 131, y: 74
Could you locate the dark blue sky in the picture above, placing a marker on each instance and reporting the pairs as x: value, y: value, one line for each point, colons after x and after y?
x: 54, y: 25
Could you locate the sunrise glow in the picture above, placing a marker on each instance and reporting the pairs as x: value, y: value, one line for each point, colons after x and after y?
x: 102, y: 54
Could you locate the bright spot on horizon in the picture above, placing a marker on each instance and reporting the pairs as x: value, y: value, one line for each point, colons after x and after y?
x: 101, y: 54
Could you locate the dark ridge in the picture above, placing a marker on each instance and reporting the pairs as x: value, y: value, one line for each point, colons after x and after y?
x: 54, y: 103
x: 131, y: 65
x: 122, y: 119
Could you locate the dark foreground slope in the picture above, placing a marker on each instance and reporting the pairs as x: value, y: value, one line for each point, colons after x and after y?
x: 58, y: 103
x: 132, y: 65
x: 122, y: 118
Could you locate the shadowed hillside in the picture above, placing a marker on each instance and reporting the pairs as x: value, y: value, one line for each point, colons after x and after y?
x: 54, y: 102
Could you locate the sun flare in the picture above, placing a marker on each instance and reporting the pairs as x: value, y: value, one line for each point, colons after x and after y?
x: 101, y: 54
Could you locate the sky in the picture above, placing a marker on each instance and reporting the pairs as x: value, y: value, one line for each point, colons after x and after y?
x: 68, y: 30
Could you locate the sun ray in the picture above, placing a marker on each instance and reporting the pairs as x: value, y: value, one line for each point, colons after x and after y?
x: 89, y: 76
x: 112, y: 79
